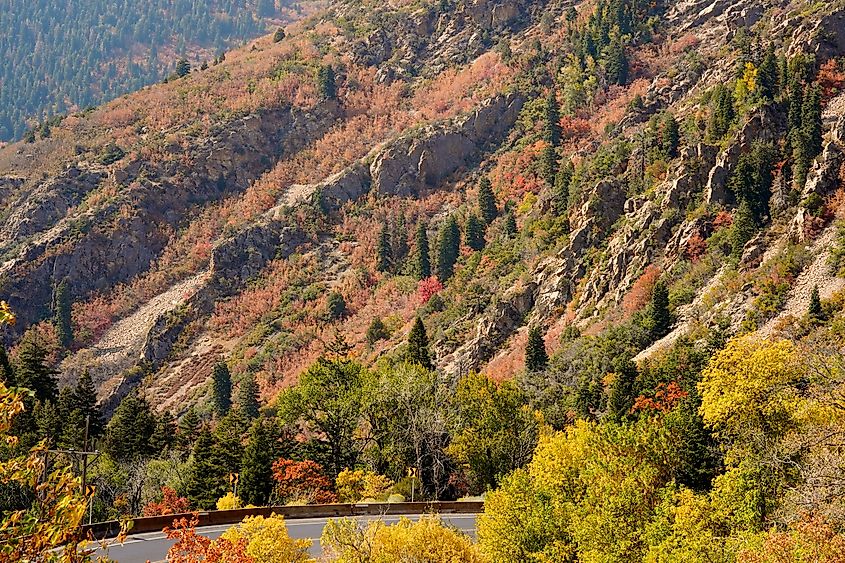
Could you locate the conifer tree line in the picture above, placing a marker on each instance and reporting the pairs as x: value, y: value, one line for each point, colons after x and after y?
x: 787, y: 86
x: 438, y: 256
x: 40, y: 78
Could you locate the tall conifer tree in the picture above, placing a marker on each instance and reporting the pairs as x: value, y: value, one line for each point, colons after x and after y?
x: 487, y: 200
x: 423, y: 260
x: 221, y: 389
x: 418, y: 345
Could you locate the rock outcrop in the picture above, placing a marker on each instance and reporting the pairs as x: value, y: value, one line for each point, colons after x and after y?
x: 120, y: 239
x: 765, y: 125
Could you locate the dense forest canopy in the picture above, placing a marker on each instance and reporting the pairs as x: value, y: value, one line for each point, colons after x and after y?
x: 56, y: 56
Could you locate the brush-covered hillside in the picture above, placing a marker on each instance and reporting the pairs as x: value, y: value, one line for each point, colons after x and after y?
x: 63, y: 56
x: 626, y: 215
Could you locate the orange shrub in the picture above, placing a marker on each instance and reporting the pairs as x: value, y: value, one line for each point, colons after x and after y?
x: 193, y: 548
x: 723, y: 219
x: 695, y: 248
x: 666, y: 397
x: 831, y: 80
x: 302, y: 481
x: 640, y: 292
x: 171, y: 503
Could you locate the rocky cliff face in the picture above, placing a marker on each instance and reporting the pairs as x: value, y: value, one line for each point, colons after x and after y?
x: 94, y: 248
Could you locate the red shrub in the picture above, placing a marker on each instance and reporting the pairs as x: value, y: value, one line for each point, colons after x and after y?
x: 685, y: 43
x: 723, y: 219
x: 696, y: 247
x: 171, y: 503
x: 302, y: 481
x: 831, y: 80
x: 428, y: 288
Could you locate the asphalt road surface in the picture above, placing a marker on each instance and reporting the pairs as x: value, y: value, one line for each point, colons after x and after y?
x: 153, y: 546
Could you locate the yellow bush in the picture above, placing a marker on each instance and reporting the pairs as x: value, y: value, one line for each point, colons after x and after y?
x: 268, y: 540
x: 344, y: 541
x: 354, y: 485
x: 749, y: 382
x: 228, y: 502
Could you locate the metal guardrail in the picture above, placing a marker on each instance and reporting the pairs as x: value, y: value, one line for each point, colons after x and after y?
x: 141, y: 525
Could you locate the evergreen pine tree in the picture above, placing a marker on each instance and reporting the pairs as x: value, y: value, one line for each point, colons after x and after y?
x: 229, y: 435
x: 399, y: 242
x: 256, y: 481
x: 767, y: 75
x: 48, y: 421
x: 326, y: 82
x: 659, y: 317
x: 188, y: 428
x: 752, y: 179
x: 670, y: 136
x: 384, y: 252
x: 377, y: 331
x: 85, y: 401
x: 423, y: 262
x: 335, y: 306
x: 811, y: 117
x: 183, y: 68
x: 487, y: 200
x: 448, y: 249
x: 32, y: 371
x: 795, y: 103
x: 722, y: 112
x: 475, y: 232
x: 206, y: 477
x: 129, y: 431
x: 561, y: 191
x: 806, y: 132
x: 552, y: 133
x: 221, y: 389
x: 548, y: 164
x: 814, y: 310
x: 164, y: 433
x: 510, y: 224
x: 742, y: 230
x: 7, y: 373
x: 536, y: 357
x: 248, y: 396
x: 418, y: 346
x: 621, y: 395
x: 616, y: 62
x: 61, y: 313
x: 73, y: 423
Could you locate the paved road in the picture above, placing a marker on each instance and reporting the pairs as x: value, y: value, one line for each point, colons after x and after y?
x: 153, y: 546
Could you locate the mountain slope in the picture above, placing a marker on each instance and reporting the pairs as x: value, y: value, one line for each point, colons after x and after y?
x: 65, y: 56
x: 263, y: 183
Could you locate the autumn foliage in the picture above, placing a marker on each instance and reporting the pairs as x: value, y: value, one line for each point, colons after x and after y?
x: 666, y: 398
x: 302, y: 482
x: 191, y: 547
x: 640, y: 292
x: 831, y: 79
x: 428, y: 288
x: 171, y: 503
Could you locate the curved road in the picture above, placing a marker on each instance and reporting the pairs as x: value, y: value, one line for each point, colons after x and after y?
x: 153, y: 546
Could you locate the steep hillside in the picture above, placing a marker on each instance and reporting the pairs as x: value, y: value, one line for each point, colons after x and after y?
x: 218, y: 215
x: 57, y: 57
